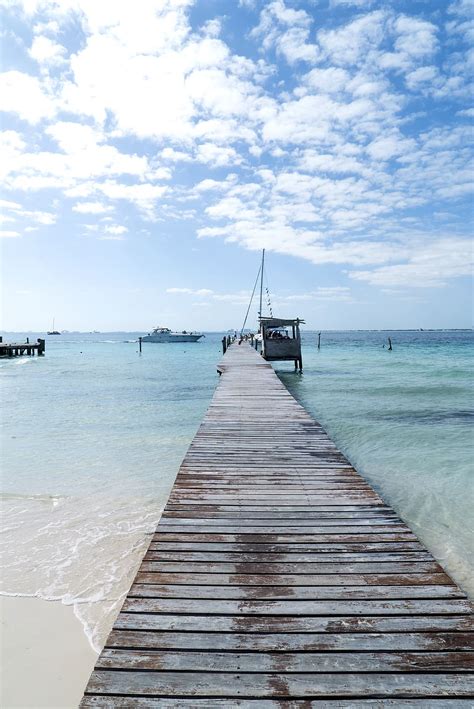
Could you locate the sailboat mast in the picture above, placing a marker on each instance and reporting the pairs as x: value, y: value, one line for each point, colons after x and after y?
x: 261, y: 281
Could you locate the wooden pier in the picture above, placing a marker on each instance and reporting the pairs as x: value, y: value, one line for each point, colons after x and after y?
x: 277, y: 577
x: 20, y: 349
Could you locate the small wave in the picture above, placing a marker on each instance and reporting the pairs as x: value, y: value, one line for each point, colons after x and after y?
x: 63, y: 539
x: 428, y: 417
x: 54, y: 499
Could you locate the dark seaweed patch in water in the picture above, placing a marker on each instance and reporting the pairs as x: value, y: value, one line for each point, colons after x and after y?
x: 428, y: 417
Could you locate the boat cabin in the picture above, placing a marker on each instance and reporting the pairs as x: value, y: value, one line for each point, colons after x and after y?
x: 281, y: 340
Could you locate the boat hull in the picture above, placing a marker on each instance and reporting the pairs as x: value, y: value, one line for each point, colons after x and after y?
x: 164, y: 338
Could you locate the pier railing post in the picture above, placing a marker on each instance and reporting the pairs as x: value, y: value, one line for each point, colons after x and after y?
x: 140, y: 345
x: 224, y: 345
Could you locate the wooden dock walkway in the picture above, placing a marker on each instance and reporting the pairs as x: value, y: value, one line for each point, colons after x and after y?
x: 20, y: 349
x: 278, y: 578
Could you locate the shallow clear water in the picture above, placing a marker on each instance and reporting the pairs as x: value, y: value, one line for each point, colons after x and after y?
x: 93, y: 434
x: 92, y: 437
x: 405, y: 420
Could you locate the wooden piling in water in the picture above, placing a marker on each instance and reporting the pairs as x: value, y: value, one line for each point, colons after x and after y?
x: 278, y: 577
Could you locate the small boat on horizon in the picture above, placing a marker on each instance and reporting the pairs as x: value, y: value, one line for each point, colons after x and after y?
x: 164, y: 334
x: 53, y: 331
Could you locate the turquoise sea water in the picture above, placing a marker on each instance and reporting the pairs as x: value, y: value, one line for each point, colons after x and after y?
x: 93, y: 434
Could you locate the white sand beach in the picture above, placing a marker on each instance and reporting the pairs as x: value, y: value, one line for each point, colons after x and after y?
x: 46, y: 658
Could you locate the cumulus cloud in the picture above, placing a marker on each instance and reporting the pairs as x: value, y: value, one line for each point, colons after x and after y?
x: 24, y: 95
x: 45, y: 51
x: 428, y: 267
x: 331, y: 135
x: 288, y: 31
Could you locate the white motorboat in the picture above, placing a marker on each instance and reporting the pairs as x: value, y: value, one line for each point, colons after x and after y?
x: 164, y: 334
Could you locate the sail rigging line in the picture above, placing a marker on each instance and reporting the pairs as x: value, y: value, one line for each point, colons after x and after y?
x: 262, y: 267
x: 269, y: 300
x: 251, y: 299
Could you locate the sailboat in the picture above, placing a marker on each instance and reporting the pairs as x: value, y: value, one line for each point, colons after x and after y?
x: 53, y: 331
x: 279, y: 338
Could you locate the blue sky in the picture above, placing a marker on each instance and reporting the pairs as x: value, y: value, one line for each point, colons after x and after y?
x: 151, y: 149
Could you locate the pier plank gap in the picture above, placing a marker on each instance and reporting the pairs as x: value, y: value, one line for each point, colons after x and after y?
x: 277, y: 577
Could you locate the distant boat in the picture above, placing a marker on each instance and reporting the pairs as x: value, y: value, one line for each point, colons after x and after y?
x: 53, y: 331
x: 164, y: 334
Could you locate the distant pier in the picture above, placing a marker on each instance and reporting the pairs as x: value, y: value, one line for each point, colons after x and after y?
x: 20, y: 349
x: 277, y: 577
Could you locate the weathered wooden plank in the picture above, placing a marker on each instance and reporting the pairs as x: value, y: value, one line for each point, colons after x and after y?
x: 292, y: 642
x: 315, y: 662
x: 365, y: 517
x: 344, y: 568
x: 140, y: 590
x: 254, y: 579
x: 243, y: 567
x: 275, y: 538
x: 295, y: 547
x: 304, y: 501
x: 302, y: 608
x: 264, y: 557
x: 330, y: 526
x: 117, y: 702
x: 270, y: 507
x: 294, y: 624
x: 225, y: 684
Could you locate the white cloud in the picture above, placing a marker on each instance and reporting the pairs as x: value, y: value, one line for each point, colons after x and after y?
x: 144, y: 196
x: 469, y: 112
x: 340, y: 294
x: 24, y: 95
x: 7, y: 204
x: 149, y: 100
x: 330, y: 80
x: 45, y: 218
x: 91, y: 208
x: 418, y: 77
x: 19, y: 212
x: 355, y: 41
x: 216, y: 156
x: 216, y: 185
x: 288, y: 31
x: 429, y: 266
x: 190, y: 291
x: 390, y: 146
x: 5, y: 234
x: 45, y: 51
x: 416, y: 38
x: 354, y: 3
x: 115, y: 229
